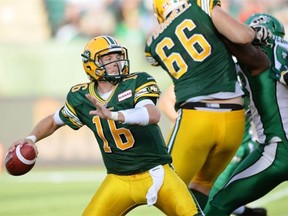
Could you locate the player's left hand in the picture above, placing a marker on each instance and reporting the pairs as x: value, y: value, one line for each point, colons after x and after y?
x: 262, y: 35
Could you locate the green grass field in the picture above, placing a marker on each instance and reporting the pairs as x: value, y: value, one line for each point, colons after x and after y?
x: 66, y: 192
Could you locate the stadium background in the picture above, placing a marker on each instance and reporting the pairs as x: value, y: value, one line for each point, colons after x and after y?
x: 40, y: 46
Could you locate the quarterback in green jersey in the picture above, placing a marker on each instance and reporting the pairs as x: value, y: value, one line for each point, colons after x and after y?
x: 266, y: 167
x: 139, y: 169
x: 188, y: 45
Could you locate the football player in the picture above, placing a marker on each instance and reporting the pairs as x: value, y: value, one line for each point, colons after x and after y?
x: 166, y: 105
x: 266, y: 167
x: 139, y: 169
x: 188, y: 44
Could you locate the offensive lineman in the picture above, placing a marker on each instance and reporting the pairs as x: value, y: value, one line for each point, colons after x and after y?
x: 188, y: 45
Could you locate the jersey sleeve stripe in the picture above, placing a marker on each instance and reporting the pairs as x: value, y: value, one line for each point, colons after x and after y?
x: 206, y: 5
x: 67, y: 112
x: 145, y: 95
x: 145, y: 85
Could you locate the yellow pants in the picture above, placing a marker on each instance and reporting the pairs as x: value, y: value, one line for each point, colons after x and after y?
x: 203, y: 142
x: 118, y: 195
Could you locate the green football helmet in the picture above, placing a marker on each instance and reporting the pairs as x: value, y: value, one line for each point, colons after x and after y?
x: 267, y: 20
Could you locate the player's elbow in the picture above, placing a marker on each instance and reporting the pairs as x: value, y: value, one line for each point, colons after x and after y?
x: 154, y: 116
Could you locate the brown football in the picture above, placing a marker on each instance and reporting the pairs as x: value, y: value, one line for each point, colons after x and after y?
x: 21, y: 160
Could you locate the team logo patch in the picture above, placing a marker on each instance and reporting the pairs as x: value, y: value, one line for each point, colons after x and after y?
x: 153, y: 89
x: 86, y: 56
x: 261, y: 20
x: 124, y: 95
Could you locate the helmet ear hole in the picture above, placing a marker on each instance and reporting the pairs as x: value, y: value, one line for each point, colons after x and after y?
x: 273, y: 25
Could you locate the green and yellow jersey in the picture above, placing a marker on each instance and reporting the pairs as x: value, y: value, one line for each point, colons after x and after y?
x: 189, y: 48
x: 126, y: 149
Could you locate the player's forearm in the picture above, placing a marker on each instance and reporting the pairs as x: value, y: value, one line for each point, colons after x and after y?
x: 167, y: 102
x: 168, y: 109
x: 232, y: 29
x: 149, y: 114
x: 44, y: 128
x: 251, y: 56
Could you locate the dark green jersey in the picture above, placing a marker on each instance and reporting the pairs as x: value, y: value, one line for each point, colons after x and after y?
x: 269, y: 98
x: 126, y: 149
x: 189, y: 48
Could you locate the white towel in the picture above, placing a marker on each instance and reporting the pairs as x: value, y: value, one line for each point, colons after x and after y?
x: 157, y: 174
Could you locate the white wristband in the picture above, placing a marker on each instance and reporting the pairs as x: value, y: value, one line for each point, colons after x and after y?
x: 114, y: 116
x: 33, y: 138
x: 57, y: 118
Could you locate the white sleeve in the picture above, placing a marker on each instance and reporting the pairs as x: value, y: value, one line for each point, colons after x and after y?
x: 57, y: 118
x: 144, y: 102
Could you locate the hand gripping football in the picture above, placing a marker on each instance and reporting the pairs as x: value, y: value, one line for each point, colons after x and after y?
x: 21, y: 160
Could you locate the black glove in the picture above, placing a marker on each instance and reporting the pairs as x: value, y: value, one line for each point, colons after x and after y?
x: 262, y: 35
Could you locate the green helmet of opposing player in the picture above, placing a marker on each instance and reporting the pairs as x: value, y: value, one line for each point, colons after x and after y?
x: 267, y: 20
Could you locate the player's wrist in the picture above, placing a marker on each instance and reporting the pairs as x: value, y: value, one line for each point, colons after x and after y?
x: 33, y: 138
x: 114, y: 116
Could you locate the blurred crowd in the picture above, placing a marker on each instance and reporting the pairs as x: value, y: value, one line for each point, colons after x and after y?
x: 133, y: 20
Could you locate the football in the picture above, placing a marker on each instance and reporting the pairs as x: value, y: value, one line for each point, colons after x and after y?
x: 21, y: 160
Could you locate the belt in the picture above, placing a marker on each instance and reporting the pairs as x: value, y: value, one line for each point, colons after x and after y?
x: 193, y: 105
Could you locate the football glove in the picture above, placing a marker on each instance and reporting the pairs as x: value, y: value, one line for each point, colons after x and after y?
x: 280, y: 75
x: 262, y: 35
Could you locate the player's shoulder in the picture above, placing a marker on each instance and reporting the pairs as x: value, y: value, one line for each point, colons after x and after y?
x: 81, y: 88
x: 140, y: 76
x: 144, y: 82
x: 77, y: 92
x: 207, y: 5
x: 145, y: 86
x: 143, y: 75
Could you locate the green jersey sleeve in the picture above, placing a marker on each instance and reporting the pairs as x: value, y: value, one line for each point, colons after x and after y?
x: 69, y: 113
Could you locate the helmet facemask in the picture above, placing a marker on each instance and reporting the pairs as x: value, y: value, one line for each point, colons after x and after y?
x: 121, y: 63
